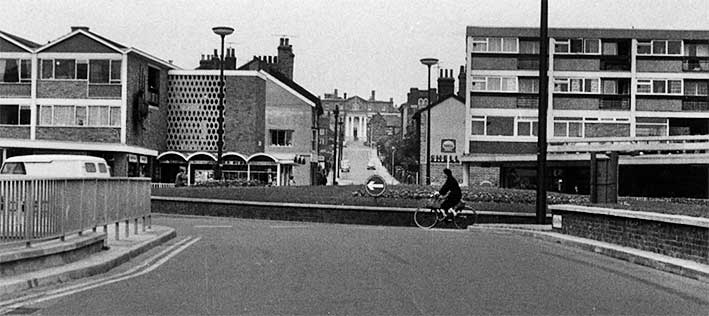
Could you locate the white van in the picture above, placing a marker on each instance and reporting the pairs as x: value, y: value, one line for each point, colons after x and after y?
x: 55, y: 166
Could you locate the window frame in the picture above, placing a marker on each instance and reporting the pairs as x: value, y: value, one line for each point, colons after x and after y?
x: 480, y: 119
x: 567, y: 42
x: 651, y: 84
x: 514, y: 80
x: 287, y: 137
x: 486, y: 41
x: 527, y: 120
x: 665, y: 44
x: 584, y: 82
x: 87, y: 118
x: 666, y: 126
x: 20, y: 108
x: 20, y: 68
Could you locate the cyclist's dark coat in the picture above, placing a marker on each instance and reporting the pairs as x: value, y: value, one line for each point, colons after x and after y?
x: 455, y: 195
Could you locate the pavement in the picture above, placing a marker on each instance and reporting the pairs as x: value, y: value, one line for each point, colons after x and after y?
x: 117, y: 252
x: 122, y: 250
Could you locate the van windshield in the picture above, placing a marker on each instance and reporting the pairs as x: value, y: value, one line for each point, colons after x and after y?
x: 13, y: 168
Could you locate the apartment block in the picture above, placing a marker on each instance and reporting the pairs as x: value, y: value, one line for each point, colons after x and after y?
x: 606, y: 86
x: 83, y: 94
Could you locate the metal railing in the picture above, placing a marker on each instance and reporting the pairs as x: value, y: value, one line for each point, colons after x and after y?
x: 162, y: 185
x: 660, y: 144
x: 35, y: 209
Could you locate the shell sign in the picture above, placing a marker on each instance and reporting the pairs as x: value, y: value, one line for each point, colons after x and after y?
x: 448, y: 145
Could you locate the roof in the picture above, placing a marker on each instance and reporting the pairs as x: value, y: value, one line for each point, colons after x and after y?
x: 462, y: 100
x: 50, y: 158
x: 588, y: 32
x: 298, y: 88
x: 28, y: 45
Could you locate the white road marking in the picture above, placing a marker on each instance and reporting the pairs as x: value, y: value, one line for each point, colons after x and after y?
x: 171, y: 251
x: 289, y: 226
x: 213, y: 226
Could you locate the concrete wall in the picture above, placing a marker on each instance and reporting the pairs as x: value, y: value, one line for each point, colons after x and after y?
x: 66, y: 89
x: 499, y: 102
x: 15, y: 132
x: 649, y: 65
x: 285, y: 111
x: 578, y: 103
x: 484, y: 175
x: 571, y: 64
x: 81, y: 134
x: 13, y: 90
x: 658, y: 104
x: 494, y: 63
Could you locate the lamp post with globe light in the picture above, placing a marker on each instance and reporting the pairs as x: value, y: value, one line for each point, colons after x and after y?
x: 222, y: 31
x: 428, y: 62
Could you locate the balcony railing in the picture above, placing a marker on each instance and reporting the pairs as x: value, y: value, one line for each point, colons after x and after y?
x: 614, y: 103
x: 42, y: 209
x: 531, y: 63
x: 699, y: 65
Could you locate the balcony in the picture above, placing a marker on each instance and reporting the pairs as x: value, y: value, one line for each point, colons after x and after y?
x: 615, y: 63
x: 616, y: 102
x: 695, y: 106
x: 695, y: 65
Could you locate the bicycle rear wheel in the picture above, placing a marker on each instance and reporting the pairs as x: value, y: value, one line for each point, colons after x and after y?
x: 462, y: 220
x: 425, y: 217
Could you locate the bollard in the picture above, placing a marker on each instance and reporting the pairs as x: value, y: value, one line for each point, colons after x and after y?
x: 117, y: 231
x: 150, y: 222
x: 143, y: 223
x: 127, y: 228
x: 135, y: 225
x: 105, y: 228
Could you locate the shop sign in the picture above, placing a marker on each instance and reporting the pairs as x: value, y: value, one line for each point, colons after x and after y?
x: 448, y: 145
x: 132, y: 158
x: 143, y: 159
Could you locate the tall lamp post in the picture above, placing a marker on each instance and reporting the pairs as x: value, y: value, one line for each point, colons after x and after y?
x: 428, y: 62
x: 222, y: 31
x: 542, y: 115
x: 393, y: 154
x: 334, y: 150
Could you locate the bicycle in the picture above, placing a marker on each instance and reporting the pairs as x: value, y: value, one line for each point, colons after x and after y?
x: 429, y: 215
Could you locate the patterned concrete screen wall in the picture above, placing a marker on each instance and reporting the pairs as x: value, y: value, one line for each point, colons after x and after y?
x: 192, y: 113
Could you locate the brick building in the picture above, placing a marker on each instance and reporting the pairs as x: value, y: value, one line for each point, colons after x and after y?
x: 270, y: 122
x: 83, y: 94
x: 642, y: 93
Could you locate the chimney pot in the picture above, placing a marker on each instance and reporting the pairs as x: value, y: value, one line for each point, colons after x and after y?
x: 286, y: 41
x: 345, y: 96
x: 216, y: 53
x: 335, y: 92
x: 282, y: 41
x: 373, y: 95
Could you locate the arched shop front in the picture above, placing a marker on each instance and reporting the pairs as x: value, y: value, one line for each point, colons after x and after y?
x: 170, y: 163
x: 266, y: 168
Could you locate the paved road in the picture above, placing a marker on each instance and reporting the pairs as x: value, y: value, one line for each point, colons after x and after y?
x: 359, y: 155
x: 269, y: 267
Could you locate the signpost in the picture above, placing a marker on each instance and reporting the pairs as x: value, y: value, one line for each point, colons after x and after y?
x: 375, y: 186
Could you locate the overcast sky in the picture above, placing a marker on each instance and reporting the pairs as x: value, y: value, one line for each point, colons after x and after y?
x: 354, y: 46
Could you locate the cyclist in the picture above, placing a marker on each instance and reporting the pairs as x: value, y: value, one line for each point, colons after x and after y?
x: 451, y: 188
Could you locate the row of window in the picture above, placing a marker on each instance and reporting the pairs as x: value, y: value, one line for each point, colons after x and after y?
x: 15, y: 70
x: 568, y: 127
x: 591, y: 46
x: 591, y: 85
x: 62, y: 115
x: 94, y: 70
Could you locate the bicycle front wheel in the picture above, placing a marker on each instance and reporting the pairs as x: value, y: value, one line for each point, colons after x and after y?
x: 425, y: 217
x: 463, y: 220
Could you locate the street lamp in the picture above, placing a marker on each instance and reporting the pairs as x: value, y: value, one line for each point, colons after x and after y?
x: 393, y: 153
x: 428, y: 62
x: 222, y: 31
x: 334, y: 150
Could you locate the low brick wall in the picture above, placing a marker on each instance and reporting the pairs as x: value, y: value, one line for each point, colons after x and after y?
x: 676, y: 236
x: 342, y: 214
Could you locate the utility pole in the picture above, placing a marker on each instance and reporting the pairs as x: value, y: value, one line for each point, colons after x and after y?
x: 334, y: 150
x: 542, y: 115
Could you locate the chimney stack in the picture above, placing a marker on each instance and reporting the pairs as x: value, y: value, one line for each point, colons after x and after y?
x: 372, y: 97
x: 335, y: 93
x: 446, y: 83
x: 345, y: 96
x: 461, y: 83
x: 83, y: 28
x: 285, y: 58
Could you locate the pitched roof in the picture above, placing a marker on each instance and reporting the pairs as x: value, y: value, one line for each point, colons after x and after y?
x: 418, y: 113
x: 298, y: 88
x: 29, y: 45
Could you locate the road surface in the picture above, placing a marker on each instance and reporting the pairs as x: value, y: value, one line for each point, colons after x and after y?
x: 270, y: 267
x: 358, y: 156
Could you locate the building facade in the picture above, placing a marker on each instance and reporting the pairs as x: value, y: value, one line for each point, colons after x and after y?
x: 83, y: 94
x: 606, y: 86
x: 356, y: 112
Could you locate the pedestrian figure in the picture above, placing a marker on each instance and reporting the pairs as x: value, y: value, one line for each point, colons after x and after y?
x: 181, y: 178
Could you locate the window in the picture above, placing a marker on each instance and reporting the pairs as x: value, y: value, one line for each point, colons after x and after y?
x: 660, y: 47
x: 47, y: 69
x: 322, y: 132
x: 610, y: 49
x: 15, y: 70
x: 576, y: 85
x: 529, y: 47
x: 659, y: 86
x: 102, y: 167
x: 529, y: 85
x: 527, y: 126
x: 116, y: 72
x: 90, y: 167
x: 696, y: 50
x: 71, y: 115
x: 281, y: 137
x: 568, y: 127
x: 495, y: 84
x: 64, y: 69
x: 478, y: 125
x: 104, y: 71
x: 577, y: 46
x: 314, y: 140
x: 14, y: 114
x: 651, y: 126
x: 500, y: 126
x: 153, y: 86
x: 13, y: 168
x: 82, y: 69
x: 495, y: 45
x: 695, y: 88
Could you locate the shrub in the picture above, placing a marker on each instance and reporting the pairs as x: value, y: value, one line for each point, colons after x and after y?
x: 229, y: 183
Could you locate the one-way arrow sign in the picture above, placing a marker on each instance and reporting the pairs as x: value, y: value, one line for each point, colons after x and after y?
x: 375, y: 186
